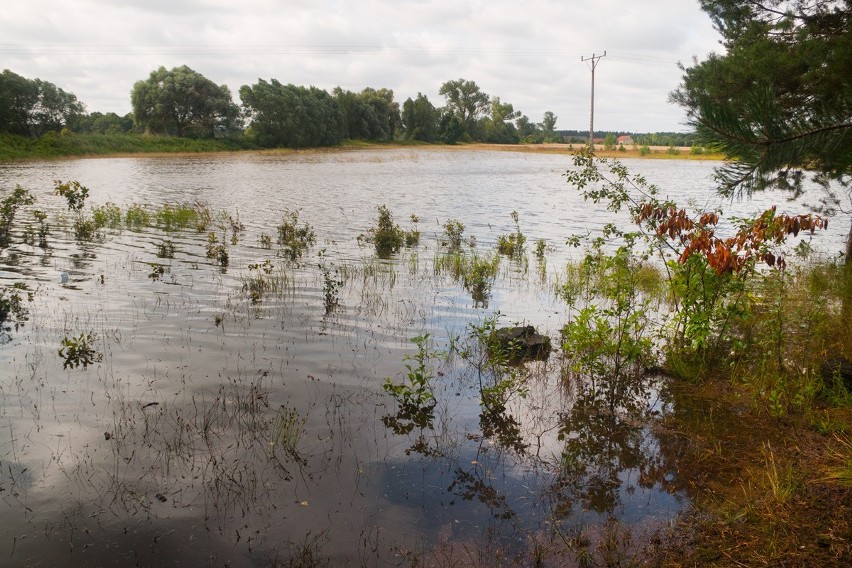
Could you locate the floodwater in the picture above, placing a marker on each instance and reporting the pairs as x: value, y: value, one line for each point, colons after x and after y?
x: 211, y: 428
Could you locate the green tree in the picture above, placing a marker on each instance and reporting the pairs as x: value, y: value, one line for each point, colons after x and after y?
x: 548, y: 126
x: 291, y: 116
x: 420, y: 119
x: 499, y: 129
x: 525, y: 128
x: 31, y: 107
x: 778, y: 103
x: 100, y: 123
x: 466, y: 101
x: 183, y: 102
x: 450, y: 128
x: 369, y: 115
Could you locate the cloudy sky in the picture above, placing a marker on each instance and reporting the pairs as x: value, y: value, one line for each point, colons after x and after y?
x: 527, y: 52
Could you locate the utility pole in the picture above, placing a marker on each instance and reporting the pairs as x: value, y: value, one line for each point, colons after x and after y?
x: 592, y: 63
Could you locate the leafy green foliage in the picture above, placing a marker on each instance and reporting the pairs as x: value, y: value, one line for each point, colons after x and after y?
x: 107, y: 215
x: 263, y: 281
x: 707, y: 275
x: 291, y: 116
x: 292, y: 238
x: 540, y: 247
x: 420, y: 119
x: 73, y: 192
x: 332, y: 282
x: 499, y: 129
x: 479, y: 276
x: 79, y: 351
x: 9, y: 207
x: 182, y: 102
x: 548, y: 126
x: 11, y: 303
x: 453, y: 233
x: 512, y: 245
x: 369, y: 115
x: 465, y: 101
x: 85, y: 228
x: 610, y: 339
x: 388, y: 237
x: 414, y: 395
x: 31, y: 107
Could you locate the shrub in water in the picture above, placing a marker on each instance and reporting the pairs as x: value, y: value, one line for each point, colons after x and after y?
x: 388, y: 237
x: 292, y: 238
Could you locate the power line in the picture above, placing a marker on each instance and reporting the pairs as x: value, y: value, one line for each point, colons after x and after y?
x: 337, y: 49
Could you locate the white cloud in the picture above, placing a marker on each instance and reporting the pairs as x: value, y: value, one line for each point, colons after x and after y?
x: 525, y: 52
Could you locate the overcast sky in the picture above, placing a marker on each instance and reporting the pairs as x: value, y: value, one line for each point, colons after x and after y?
x: 525, y: 52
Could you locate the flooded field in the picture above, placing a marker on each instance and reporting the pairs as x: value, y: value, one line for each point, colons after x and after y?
x: 250, y: 395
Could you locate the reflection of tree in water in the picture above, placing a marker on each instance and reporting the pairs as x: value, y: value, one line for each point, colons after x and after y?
x: 403, y: 423
x: 497, y: 424
x: 606, y: 440
x: 471, y: 484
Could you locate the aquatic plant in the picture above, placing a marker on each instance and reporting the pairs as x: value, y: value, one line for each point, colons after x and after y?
x: 9, y: 206
x: 415, y: 394
x: 181, y: 216
x: 79, y: 351
x: 107, y: 215
x: 479, y: 275
x: 387, y: 237
x: 453, y: 234
x: 412, y: 237
x: 137, y: 217
x: 166, y: 249
x: 512, y: 245
x: 332, y: 282
x: 43, y: 228
x: 217, y: 251
x: 288, y: 432
x: 157, y: 270
x: 293, y: 239
x: 540, y: 247
x: 75, y: 194
x: 11, y: 303
x: 476, y: 273
x: 263, y: 281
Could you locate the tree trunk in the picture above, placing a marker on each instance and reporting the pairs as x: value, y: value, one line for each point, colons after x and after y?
x: 848, y: 258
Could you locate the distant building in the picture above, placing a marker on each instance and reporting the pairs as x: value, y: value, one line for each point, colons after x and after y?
x: 625, y: 140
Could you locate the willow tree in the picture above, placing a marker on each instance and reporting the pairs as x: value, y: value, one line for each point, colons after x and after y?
x: 778, y: 102
x: 292, y: 116
x: 183, y: 102
x: 31, y: 107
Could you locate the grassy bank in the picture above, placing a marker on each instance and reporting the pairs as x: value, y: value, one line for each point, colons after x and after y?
x: 59, y: 145
x: 54, y: 145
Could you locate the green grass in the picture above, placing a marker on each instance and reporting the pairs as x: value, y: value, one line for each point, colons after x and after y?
x: 55, y: 145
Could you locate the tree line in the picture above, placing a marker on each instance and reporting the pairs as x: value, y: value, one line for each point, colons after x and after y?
x: 182, y: 102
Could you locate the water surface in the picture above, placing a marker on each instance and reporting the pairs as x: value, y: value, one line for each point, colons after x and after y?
x: 173, y: 446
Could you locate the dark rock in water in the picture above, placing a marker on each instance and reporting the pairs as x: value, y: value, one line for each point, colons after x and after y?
x: 522, y: 343
x: 837, y: 367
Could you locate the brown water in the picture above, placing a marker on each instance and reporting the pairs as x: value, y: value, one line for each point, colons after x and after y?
x: 218, y: 431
